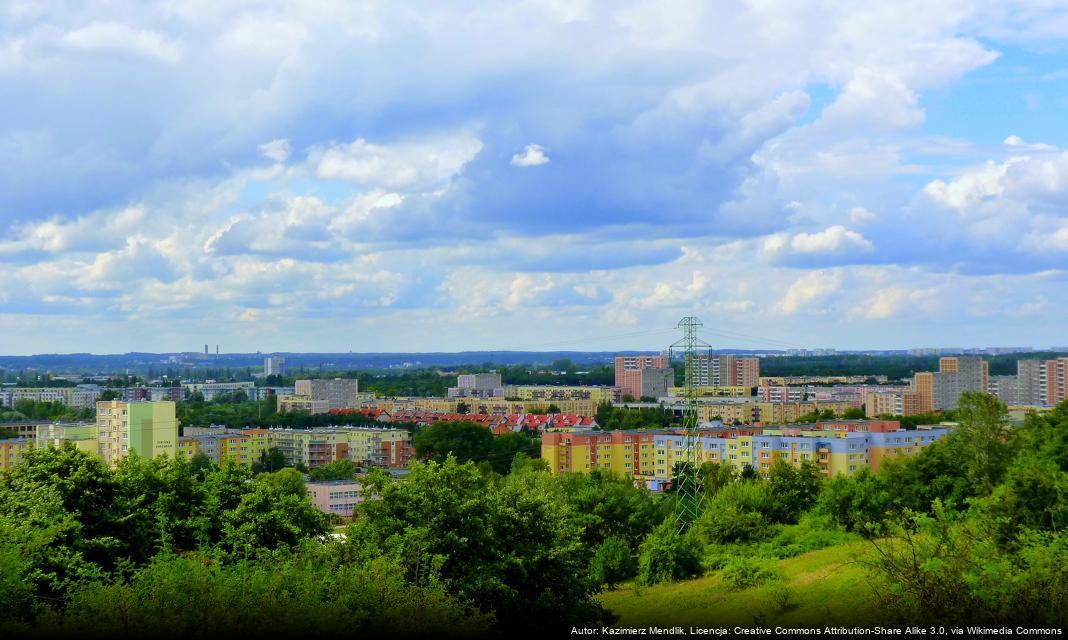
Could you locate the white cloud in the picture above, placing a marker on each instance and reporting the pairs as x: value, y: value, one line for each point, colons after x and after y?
x: 115, y: 37
x: 896, y: 300
x: 533, y: 155
x: 813, y: 287
x: 419, y: 164
x: 860, y: 215
x: 277, y: 150
x: 834, y: 239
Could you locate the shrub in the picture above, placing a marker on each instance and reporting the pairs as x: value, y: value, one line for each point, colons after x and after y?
x: 744, y: 572
x: 667, y: 555
x: 613, y: 562
x: 812, y: 533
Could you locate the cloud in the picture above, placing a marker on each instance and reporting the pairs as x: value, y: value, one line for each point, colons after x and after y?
x: 896, y: 300
x: 533, y: 155
x: 407, y: 165
x: 277, y: 150
x: 357, y: 166
x: 115, y: 37
x: 834, y: 239
x: 813, y: 287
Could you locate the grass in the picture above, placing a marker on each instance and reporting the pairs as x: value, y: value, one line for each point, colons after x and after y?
x: 825, y: 587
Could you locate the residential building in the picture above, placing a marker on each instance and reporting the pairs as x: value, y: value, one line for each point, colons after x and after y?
x: 365, y: 446
x: 1056, y: 380
x: 337, y: 497
x: 338, y: 393
x: 923, y: 385
x: 288, y: 402
x: 79, y: 397
x: 553, y: 393
x: 83, y: 435
x: 211, y: 389
x: 147, y: 428
x: 1031, y: 382
x: 478, y: 385
x: 955, y: 376
x: 631, y: 375
x: 725, y: 370
x: 12, y: 450
x: 274, y: 366
x: 652, y: 455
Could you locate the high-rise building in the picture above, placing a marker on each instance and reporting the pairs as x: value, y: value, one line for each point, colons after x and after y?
x: 631, y: 374
x: 339, y: 393
x: 923, y: 385
x: 1056, y: 380
x: 725, y: 371
x: 957, y: 375
x: 477, y: 385
x: 1031, y: 382
x: 147, y: 428
x: 274, y: 366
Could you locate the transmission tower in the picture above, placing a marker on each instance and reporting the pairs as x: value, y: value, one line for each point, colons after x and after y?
x: 689, y: 492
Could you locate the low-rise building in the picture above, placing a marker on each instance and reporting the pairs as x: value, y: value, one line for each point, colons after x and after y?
x: 337, y: 497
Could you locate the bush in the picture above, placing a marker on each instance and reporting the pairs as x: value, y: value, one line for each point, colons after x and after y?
x: 667, y: 555
x: 858, y: 503
x: 744, y: 572
x: 738, y: 513
x: 811, y: 534
x: 613, y: 563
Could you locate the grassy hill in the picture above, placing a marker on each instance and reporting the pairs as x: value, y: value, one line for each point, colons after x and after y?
x: 825, y: 587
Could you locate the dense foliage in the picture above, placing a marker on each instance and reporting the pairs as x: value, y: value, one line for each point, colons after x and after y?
x: 26, y: 409
x: 469, y: 442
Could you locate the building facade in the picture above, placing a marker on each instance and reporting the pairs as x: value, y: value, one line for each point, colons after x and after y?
x: 148, y: 428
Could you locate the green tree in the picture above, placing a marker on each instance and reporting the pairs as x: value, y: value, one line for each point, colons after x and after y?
x: 465, y: 440
x: 613, y: 562
x: 274, y: 513
x: 337, y: 470
x: 666, y: 555
x: 507, y: 546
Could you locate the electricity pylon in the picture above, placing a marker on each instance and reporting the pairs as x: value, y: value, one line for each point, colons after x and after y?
x: 689, y: 491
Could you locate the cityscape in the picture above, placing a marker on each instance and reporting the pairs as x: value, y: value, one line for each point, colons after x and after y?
x: 535, y: 317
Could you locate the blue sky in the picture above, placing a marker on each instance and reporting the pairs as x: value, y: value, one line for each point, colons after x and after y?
x: 431, y: 176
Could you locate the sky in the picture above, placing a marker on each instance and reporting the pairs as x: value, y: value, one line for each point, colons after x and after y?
x: 384, y: 176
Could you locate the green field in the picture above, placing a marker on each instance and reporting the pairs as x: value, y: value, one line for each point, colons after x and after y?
x: 825, y: 587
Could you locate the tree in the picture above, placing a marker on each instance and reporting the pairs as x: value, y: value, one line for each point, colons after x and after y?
x: 462, y: 408
x: 666, y: 555
x: 613, y: 562
x: 552, y: 408
x: 854, y: 413
x: 465, y: 440
x: 270, y: 460
x: 795, y: 489
x: 507, y: 546
x: 337, y: 470
x: 275, y: 513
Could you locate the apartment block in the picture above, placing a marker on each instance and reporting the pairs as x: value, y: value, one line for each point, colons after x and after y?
x: 148, y: 428
x: 13, y: 449
x: 337, y: 497
x: 725, y: 370
x: 212, y: 389
x: 338, y: 393
x: 84, y: 436
x: 553, y: 393
x: 80, y: 397
x: 288, y: 402
x: 365, y: 446
x: 1056, y: 380
x: 957, y: 375
x: 652, y: 455
x: 274, y: 366
x: 633, y: 381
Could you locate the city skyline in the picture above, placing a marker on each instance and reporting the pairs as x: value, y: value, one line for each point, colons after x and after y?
x: 887, y: 175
